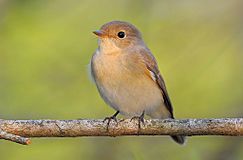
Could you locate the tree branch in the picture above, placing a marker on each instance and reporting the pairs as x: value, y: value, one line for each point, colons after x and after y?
x: 16, y: 130
x: 14, y: 138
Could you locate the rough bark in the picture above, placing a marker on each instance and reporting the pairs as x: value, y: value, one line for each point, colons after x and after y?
x: 21, y: 130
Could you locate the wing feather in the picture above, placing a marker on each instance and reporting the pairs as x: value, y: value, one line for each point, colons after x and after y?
x: 153, y: 69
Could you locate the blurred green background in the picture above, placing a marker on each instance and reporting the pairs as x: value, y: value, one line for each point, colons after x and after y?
x: 45, y: 47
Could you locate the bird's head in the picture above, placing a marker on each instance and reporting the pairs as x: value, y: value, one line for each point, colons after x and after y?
x: 118, y: 35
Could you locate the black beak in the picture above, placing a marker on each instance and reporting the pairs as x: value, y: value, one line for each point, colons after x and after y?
x: 99, y: 33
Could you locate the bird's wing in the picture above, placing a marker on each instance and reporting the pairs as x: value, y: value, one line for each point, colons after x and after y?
x: 155, y: 75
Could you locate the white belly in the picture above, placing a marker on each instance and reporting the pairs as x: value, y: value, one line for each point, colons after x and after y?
x: 128, y: 92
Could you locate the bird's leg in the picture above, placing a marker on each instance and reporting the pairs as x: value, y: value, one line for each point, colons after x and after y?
x: 140, y: 119
x: 113, y: 117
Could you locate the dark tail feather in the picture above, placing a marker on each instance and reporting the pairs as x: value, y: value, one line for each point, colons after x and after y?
x: 179, y: 139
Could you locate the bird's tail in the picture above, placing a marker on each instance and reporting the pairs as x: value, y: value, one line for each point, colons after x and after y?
x: 162, y: 113
x: 179, y: 139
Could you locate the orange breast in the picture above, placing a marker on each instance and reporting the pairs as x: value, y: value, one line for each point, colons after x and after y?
x: 124, y: 84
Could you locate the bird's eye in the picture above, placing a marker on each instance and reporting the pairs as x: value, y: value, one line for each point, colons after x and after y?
x: 121, y: 34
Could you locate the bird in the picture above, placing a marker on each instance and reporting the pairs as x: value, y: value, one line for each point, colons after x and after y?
x: 127, y: 76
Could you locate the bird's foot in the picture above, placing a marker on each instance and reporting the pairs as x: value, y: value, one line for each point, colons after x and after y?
x: 140, y: 119
x: 108, y: 119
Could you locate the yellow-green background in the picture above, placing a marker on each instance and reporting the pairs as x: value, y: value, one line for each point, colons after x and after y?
x: 45, y: 47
